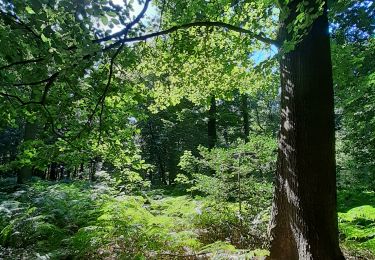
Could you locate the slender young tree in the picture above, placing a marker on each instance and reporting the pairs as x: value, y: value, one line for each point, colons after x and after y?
x: 304, y: 216
x: 211, y: 125
x: 245, y: 117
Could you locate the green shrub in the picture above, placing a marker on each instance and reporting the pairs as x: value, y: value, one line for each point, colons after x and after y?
x: 231, y: 174
x: 222, y: 222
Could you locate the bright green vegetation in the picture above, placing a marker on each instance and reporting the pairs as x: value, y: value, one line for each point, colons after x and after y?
x: 357, y: 221
x: 162, y: 140
x: 94, y: 220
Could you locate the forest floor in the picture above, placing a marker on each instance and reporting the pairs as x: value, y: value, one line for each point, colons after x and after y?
x: 45, y: 220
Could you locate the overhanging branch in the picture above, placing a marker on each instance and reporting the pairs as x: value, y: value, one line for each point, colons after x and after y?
x: 105, y: 92
x: 49, y: 81
x: 22, y: 62
x: 257, y: 36
x: 34, y: 83
x: 16, y: 20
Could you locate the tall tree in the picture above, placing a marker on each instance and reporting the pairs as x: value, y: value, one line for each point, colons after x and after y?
x: 304, y: 217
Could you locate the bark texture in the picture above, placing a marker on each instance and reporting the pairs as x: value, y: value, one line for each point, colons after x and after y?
x: 304, y: 216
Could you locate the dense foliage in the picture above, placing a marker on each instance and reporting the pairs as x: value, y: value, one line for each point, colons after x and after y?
x: 148, y: 129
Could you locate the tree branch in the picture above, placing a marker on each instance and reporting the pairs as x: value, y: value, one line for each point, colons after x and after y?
x: 15, y: 19
x: 42, y: 101
x: 47, y: 87
x: 101, y: 100
x: 22, y: 62
x: 258, y: 36
x: 34, y: 82
x: 53, y: 128
x: 125, y: 31
x: 104, y: 95
x: 23, y: 103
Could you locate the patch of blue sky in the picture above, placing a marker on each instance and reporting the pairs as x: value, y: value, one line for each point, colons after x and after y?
x: 265, y: 54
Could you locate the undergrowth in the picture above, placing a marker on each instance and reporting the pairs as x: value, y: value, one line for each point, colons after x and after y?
x: 82, y: 220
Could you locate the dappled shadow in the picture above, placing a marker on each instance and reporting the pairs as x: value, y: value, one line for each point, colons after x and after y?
x: 357, y: 230
x: 356, y: 209
x: 348, y: 199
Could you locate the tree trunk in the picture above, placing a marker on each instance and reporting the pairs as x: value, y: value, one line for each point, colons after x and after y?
x: 172, y: 165
x: 161, y: 169
x: 25, y: 173
x: 92, y: 172
x: 53, y: 172
x: 75, y: 173
x: 211, y: 126
x: 81, y: 171
x: 304, y: 217
x: 61, y: 172
x: 245, y: 117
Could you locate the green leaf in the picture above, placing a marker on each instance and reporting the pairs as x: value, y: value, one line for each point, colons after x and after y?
x: 112, y: 14
x: 104, y: 20
x: 29, y: 10
x: 44, y: 38
x: 115, y: 21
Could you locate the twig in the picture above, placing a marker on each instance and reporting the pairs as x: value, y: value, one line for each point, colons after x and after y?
x: 23, y: 103
x: 15, y: 19
x: 46, y: 80
x: 42, y: 101
x: 47, y: 87
x: 50, y: 119
x: 125, y: 31
x: 104, y: 95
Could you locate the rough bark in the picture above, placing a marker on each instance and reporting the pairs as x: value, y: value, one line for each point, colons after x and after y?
x: 304, y: 217
x: 211, y: 126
